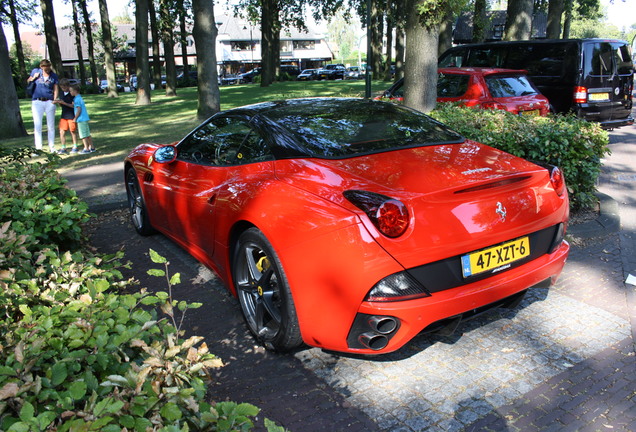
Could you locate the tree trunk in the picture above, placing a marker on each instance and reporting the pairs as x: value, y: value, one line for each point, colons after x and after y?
x: 141, y: 45
x: 446, y: 31
x: 89, y: 41
x: 204, y: 33
x: 52, y: 41
x: 11, y: 124
x: 479, y: 21
x: 18, y: 43
x: 518, y: 20
x: 167, y: 38
x: 420, y: 75
x: 78, y: 43
x: 568, y: 18
x: 389, y: 43
x: 183, y: 39
x: 267, y: 42
x: 107, y: 41
x: 154, y: 30
x: 400, y: 46
x: 555, y: 13
x: 377, y: 28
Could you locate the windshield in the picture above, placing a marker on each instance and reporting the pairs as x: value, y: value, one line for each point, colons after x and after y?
x: 334, y: 129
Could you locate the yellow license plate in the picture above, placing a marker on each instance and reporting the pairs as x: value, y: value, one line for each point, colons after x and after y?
x: 598, y: 96
x: 495, y: 257
x: 530, y: 112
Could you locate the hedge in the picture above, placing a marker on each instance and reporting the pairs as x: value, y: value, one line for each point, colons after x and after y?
x: 574, y: 145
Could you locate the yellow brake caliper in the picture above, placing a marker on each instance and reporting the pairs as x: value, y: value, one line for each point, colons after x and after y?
x: 262, y: 265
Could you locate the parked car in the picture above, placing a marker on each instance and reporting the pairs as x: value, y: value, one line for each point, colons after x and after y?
x: 307, y: 75
x: 351, y: 224
x: 192, y: 81
x: 290, y: 70
x: 505, y: 89
x: 593, y: 78
x: 332, y: 72
x: 103, y: 86
x: 354, y: 72
x: 249, y: 76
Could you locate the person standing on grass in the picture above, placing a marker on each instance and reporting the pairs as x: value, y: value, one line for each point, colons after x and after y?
x: 82, y: 119
x: 44, y: 94
x: 67, y: 122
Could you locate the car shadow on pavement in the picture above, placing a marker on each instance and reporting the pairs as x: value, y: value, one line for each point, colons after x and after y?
x: 276, y: 383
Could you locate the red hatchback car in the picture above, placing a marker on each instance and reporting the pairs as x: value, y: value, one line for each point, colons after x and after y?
x: 505, y: 89
x: 350, y: 224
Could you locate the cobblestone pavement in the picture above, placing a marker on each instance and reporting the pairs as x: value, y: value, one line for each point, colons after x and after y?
x: 563, y: 360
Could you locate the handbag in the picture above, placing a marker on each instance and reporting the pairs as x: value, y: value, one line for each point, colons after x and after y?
x: 30, y: 88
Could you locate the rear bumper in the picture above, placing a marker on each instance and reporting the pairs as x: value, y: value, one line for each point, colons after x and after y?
x: 424, y: 314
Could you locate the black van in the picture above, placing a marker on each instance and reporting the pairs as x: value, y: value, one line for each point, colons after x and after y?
x: 592, y: 77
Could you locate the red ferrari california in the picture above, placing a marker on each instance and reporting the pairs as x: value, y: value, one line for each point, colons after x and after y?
x: 349, y: 224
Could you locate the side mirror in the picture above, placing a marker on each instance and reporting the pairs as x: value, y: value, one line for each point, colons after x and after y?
x: 165, y: 154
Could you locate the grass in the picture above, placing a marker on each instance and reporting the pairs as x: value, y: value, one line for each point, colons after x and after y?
x: 118, y: 125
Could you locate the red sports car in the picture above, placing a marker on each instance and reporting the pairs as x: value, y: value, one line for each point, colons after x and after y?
x: 490, y: 88
x: 349, y: 224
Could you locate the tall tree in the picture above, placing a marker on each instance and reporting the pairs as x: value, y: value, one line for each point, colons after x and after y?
x: 205, y: 33
x: 480, y: 21
x: 555, y: 14
x: 16, y: 14
x: 154, y: 31
x: 422, y: 32
x: 141, y: 50
x: 88, y: 28
x: 166, y: 22
x: 52, y: 40
x: 518, y: 20
x: 183, y: 6
x: 77, y: 29
x: 11, y: 124
x: 107, y: 41
x: 446, y: 30
x: 389, y: 40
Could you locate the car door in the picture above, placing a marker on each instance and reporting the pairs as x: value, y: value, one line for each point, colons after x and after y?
x: 190, y: 185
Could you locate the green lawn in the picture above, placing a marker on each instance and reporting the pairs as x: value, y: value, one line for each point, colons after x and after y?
x: 118, y: 125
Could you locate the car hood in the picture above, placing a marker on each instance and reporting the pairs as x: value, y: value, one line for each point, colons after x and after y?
x: 452, y: 193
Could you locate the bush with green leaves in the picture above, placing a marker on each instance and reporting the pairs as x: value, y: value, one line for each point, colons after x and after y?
x: 80, y: 350
x: 574, y: 145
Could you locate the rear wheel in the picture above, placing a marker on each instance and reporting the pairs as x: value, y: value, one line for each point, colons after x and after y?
x: 136, y: 205
x: 264, y: 294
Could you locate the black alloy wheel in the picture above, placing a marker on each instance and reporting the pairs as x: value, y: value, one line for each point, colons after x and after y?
x: 136, y: 205
x: 264, y: 294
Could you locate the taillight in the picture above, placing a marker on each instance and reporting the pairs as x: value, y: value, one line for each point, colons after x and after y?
x: 388, y: 215
x: 580, y: 94
x: 493, y: 105
x: 557, y: 180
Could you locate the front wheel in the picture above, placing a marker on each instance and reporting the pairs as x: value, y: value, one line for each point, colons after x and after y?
x: 136, y: 205
x: 264, y: 294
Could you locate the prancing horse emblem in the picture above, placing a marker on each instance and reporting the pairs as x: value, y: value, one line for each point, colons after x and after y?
x: 501, y: 211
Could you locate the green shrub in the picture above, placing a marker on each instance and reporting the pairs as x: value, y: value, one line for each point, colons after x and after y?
x: 80, y: 349
x: 35, y: 199
x: 574, y: 145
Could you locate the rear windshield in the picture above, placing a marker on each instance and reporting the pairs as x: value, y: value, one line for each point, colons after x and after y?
x: 507, y: 86
x: 326, y: 130
x: 450, y: 85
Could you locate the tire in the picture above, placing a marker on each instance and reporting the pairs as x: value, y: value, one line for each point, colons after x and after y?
x: 136, y: 205
x: 264, y: 294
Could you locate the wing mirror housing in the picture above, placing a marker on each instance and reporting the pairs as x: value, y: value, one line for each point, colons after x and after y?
x: 165, y: 154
